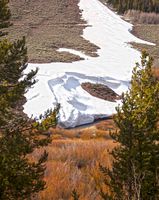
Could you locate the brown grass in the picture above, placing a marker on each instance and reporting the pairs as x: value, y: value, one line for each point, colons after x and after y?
x: 139, y: 17
x: 100, y: 129
x: 155, y: 71
x: 74, y: 164
x: 100, y: 91
x: 49, y: 25
x: 149, y: 33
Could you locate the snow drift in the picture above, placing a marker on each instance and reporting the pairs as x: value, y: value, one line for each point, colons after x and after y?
x: 61, y: 82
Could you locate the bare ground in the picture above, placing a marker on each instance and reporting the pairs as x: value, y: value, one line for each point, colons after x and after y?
x: 149, y: 33
x: 100, y: 91
x: 49, y: 25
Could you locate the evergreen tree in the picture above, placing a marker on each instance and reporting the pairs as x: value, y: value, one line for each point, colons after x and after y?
x: 75, y: 195
x: 135, y: 169
x: 4, y: 15
x: 20, y: 178
x: 142, y: 5
x: 13, y: 58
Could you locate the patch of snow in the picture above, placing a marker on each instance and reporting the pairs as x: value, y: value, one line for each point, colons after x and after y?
x: 61, y: 82
x: 75, y: 52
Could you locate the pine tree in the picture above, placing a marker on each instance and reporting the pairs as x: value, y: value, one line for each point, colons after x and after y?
x: 13, y: 61
x: 75, y: 195
x: 142, y: 5
x: 19, y: 177
x: 135, y: 170
x: 4, y: 16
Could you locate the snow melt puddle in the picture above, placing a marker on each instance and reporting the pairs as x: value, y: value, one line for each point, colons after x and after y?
x: 61, y: 82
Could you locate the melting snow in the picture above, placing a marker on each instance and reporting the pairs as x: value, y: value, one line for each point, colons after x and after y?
x: 61, y: 82
x: 75, y: 52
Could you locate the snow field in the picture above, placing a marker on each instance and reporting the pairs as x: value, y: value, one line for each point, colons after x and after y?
x: 61, y: 82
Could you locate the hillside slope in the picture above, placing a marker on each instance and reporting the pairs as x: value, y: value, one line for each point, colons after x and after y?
x: 49, y: 25
x: 61, y: 82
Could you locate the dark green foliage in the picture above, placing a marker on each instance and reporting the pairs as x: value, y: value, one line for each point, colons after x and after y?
x: 49, y: 119
x: 75, y: 195
x: 13, y: 58
x: 135, y: 171
x: 142, y: 5
x: 4, y: 16
x: 20, y: 177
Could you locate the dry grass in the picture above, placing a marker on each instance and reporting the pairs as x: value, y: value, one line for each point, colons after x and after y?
x: 49, y: 25
x: 85, y: 134
x: 149, y: 33
x: 99, y: 129
x: 155, y: 71
x: 136, y: 16
x: 74, y: 164
x: 100, y: 91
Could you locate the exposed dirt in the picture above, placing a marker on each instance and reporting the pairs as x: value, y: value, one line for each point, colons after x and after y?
x: 49, y: 25
x: 100, y: 91
x: 149, y: 33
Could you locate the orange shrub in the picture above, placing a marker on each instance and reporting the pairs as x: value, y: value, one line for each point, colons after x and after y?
x: 74, y: 164
x: 155, y: 71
